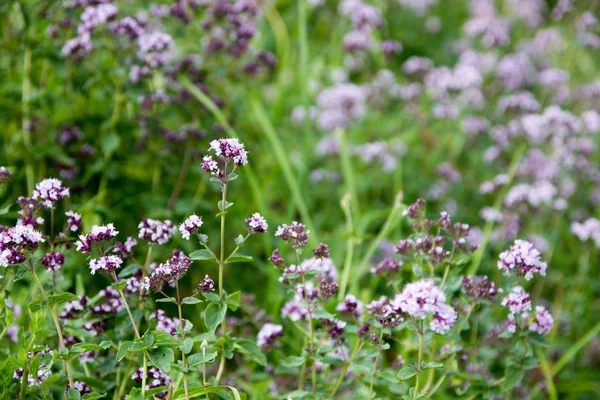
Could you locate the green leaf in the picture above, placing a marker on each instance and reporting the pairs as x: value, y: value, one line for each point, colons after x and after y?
x: 233, y: 300
x: 406, y: 373
x: 163, y: 339
x: 237, y: 257
x: 122, y: 352
x: 293, y: 361
x: 85, y: 347
x: 512, y: 377
x: 5, y: 210
x: 322, y: 314
x: 94, y: 396
x: 432, y: 365
x: 128, y: 270
x: 186, y: 346
x: 214, y: 315
x: 199, y: 392
x: 21, y: 273
x: 148, y: 338
x: 210, y: 296
x: 199, y: 358
x: 251, y: 349
x: 119, y: 286
x: 202, y: 255
x: 62, y: 298
x: 162, y: 358
x: 167, y: 300
x: 239, y: 240
x: 191, y: 300
x: 538, y: 340
x: 73, y: 394
x: 37, y: 305
x: 109, y: 143
x: 138, y: 346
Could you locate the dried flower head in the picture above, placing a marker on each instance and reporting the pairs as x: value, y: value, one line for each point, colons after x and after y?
x: 5, y: 175
x: 206, y: 285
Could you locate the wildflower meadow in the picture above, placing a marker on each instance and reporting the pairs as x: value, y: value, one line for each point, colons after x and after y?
x: 299, y: 199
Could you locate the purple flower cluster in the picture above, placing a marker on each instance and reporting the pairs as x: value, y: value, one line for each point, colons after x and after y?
x: 44, y: 371
x: 105, y: 263
x: 73, y: 221
x: 588, y: 229
x: 480, y: 288
x: 191, y: 225
x: 53, y: 261
x: 522, y: 258
x: 16, y: 242
x: 112, y: 302
x: 73, y: 308
x: 230, y: 25
x: 542, y: 321
x: 168, y: 272
x: 125, y: 249
x: 98, y: 234
x: 422, y: 298
x: 296, y: 234
x: 351, y: 306
x: 5, y: 175
x: 49, y: 191
x: 154, y: 378
x: 164, y: 323
x: 156, y: 232
x: 256, y: 223
x: 206, y: 285
x: 267, y: 335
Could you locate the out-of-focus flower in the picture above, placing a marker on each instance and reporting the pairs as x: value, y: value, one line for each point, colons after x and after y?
x: 268, y: 333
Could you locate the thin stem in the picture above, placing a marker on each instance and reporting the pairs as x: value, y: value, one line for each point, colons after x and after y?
x: 145, y: 271
x: 357, y: 348
x: 311, y: 334
x: 445, y: 276
x: 437, y: 385
x: 221, y: 267
x: 463, y: 323
x: 59, y: 331
x: 375, y: 366
x: 489, y: 226
x: 185, y: 383
x: 185, y: 165
x: 419, y: 361
x: 346, y: 200
x: 24, y: 382
x: 135, y: 328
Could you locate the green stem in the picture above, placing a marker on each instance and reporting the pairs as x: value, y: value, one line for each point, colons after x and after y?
x: 25, y: 122
x: 59, y: 331
x: 383, y: 233
x: 357, y: 348
x: 375, y: 367
x: 183, y: 361
x: 489, y: 226
x: 212, y: 107
x: 221, y: 267
x: 286, y: 167
x: 303, y: 81
x: 135, y: 328
x: 573, y: 350
x: 185, y: 165
x: 24, y: 383
x: 419, y: 361
x: 547, y: 373
x: 349, y: 246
